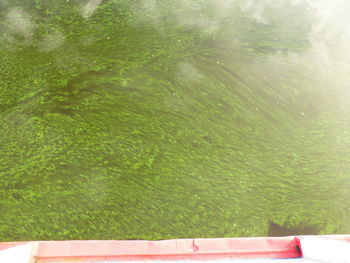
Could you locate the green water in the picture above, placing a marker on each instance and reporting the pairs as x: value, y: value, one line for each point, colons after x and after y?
x: 146, y: 119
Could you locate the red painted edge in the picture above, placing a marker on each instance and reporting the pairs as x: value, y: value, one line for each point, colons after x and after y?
x: 178, y: 249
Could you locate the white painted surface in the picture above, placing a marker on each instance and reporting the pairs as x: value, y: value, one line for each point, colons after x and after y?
x: 18, y: 254
x: 325, y: 250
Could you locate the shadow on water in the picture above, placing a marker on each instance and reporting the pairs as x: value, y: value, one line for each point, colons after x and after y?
x: 276, y: 230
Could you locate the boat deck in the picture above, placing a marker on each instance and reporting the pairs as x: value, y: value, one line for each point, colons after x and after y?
x: 304, y: 249
x: 294, y: 260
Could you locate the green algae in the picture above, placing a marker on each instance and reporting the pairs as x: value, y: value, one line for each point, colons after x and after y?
x: 166, y: 119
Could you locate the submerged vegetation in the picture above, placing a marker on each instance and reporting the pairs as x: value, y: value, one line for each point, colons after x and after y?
x: 146, y: 119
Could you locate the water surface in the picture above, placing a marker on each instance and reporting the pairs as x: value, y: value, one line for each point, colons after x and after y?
x: 146, y: 119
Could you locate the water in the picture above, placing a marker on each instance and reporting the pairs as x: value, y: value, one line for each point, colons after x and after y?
x: 146, y: 119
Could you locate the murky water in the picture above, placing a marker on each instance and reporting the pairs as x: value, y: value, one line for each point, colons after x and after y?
x: 150, y: 119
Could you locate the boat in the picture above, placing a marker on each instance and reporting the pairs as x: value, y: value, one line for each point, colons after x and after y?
x: 290, y: 249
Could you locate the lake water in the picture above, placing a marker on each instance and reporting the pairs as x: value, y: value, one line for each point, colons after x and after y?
x: 156, y: 119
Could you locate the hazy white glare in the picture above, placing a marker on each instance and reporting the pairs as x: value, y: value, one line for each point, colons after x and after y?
x: 19, y: 28
x: 188, y: 73
x: 89, y: 8
x: 255, y: 9
x: 225, y: 4
x: 329, y: 32
x: 51, y: 42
